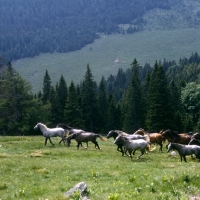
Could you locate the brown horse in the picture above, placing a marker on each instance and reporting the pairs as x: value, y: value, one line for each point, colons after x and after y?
x: 174, y: 137
x: 155, y: 138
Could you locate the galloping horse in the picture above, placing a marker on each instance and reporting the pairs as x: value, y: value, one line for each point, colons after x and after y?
x: 174, y: 137
x: 85, y: 137
x: 69, y: 129
x: 50, y: 132
x: 132, y: 145
x: 116, y: 133
x: 185, y: 150
x: 155, y: 138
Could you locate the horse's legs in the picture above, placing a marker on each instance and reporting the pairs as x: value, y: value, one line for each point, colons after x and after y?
x: 45, y: 142
x: 96, y: 144
x: 78, y: 143
x: 130, y: 153
x: 134, y: 152
x: 161, y: 145
x: 120, y: 149
x: 142, y: 152
x: 63, y: 139
x: 184, y: 158
x: 83, y: 146
x: 50, y: 141
x: 125, y: 151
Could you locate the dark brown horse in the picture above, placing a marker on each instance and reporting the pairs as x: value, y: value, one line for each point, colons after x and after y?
x: 85, y: 137
x: 155, y: 138
x: 175, y: 137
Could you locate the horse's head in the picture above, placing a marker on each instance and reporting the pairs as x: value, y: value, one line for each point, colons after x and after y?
x: 169, y: 147
x: 140, y: 131
x: 119, y: 140
x: 37, y: 126
x: 166, y: 133
x: 110, y: 134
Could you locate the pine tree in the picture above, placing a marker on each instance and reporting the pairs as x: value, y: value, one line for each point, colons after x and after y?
x: 133, y: 102
x: 62, y: 95
x: 46, y: 88
x: 102, y: 102
x: 157, y: 117
x: 56, y: 110
x: 73, y: 112
x: 15, y: 98
x: 175, y: 107
x: 112, y: 123
x: 89, y: 100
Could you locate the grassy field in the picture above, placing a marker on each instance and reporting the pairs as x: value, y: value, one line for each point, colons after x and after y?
x: 109, y: 53
x: 30, y: 170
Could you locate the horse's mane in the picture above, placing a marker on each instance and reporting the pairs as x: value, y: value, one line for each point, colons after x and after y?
x: 120, y: 132
x: 196, y: 135
x: 172, y: 133
x: 64, y: 125
x: 43, y: 125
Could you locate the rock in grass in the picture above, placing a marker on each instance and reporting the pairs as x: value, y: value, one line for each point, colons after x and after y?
x: 81, y: 187
x: 195, y: 197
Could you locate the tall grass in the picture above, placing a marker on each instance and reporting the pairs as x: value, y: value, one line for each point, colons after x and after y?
x: 30, y: 170
x: 109, y: 53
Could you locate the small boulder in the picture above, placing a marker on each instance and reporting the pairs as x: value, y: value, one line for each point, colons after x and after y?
x: 81, y: 187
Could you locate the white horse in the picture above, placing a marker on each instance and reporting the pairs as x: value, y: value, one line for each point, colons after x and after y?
x: 51, y: 132
x: 132, y: 145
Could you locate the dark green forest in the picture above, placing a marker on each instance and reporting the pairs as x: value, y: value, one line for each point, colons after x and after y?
x: 165, y: 96
x: 31, y: 27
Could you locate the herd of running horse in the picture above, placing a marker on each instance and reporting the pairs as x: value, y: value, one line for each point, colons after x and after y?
x: 184, y: 143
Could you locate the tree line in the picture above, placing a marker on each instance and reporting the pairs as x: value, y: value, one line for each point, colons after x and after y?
x: 165, y: 96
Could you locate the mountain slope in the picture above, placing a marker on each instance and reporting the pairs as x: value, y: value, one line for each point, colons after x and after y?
x: 169, y: 33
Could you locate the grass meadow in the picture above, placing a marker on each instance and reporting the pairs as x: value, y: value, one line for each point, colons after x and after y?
x: 109, y: 53
x: 30, y: 170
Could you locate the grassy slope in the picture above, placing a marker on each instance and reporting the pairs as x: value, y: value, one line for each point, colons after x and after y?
x: 146, y: 46
x: 29, y: 170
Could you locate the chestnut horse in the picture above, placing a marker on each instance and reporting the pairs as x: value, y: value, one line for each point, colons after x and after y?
x: 174, y: 137
x: 155, y: 138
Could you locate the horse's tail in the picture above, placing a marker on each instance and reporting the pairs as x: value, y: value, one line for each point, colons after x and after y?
x: 149, y: 147
x: 66, y: 133
x: 101, y: 137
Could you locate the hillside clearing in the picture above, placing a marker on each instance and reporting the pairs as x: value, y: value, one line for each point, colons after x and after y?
x: 146, y: 47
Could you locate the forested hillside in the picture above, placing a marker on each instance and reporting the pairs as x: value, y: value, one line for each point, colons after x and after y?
x: 162, y: 97
x: 29, y: 28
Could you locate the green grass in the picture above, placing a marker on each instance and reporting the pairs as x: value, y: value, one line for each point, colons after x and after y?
x: 109, y: 53
x: 30, y: 170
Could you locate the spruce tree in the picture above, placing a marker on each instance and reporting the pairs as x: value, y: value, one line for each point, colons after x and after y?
x: 46, y: 88
x: 175, y: 107
x: 89, y: 100
x: 15, y: 99
x: 112, y: 122
x: 62, y: 95
x: 73, y: 112
x: 56, y: 110
x: 157, y: 117
x: 102, y: 103
x: 133, y: 102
